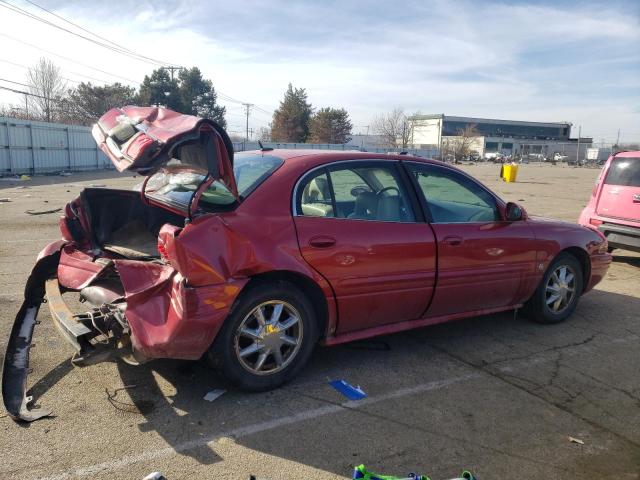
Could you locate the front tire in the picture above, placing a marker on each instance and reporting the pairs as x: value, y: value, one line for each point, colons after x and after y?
x: 557, y: 296
x: 267, y: 338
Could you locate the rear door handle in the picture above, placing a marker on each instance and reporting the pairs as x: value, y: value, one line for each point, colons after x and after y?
x: 636, y: 198
x: 453, y: 240
x: 322, y: 241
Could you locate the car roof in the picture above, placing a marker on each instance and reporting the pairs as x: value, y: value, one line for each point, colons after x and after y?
x: 325, y: 156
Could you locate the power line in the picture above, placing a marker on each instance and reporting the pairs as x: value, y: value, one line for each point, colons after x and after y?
x: 67, y: 58
x: 11, y: 81
x: 95, y: 34
x: 29, y: 94
x: 64, y: 78
x: 116, y: 48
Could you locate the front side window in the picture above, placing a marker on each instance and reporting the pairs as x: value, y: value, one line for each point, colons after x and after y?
x: 624, y: 171
x: 452, y: 197
x: 357, y: 191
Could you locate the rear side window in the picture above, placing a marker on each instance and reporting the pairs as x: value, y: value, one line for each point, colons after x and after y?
x: 355, y: 190
x: 624, y: 171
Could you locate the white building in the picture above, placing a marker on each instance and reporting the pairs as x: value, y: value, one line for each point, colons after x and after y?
x: 509, y: 137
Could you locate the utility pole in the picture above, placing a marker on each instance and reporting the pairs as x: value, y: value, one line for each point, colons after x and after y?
x: 172, y: 69
x: 247, y: 107
x: 618, y: 139
x: 578, y: 149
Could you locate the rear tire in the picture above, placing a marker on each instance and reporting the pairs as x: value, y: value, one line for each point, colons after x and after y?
x: 558, y: 293
x: 267, y: 338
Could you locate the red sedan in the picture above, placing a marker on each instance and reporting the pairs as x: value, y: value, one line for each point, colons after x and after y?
x: 254, y: 258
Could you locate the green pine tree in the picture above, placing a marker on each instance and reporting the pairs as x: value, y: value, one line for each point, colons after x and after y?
x: 291, y: 119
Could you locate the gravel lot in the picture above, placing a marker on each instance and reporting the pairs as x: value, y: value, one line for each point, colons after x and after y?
x: 495, y: 394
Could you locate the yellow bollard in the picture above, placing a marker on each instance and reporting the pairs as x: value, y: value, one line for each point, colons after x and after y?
x: 509, y: 172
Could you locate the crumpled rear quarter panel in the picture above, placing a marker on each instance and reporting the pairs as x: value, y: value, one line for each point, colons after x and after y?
x: 168, y: 318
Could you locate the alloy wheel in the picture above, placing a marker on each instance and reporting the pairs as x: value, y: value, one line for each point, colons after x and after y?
x: 269, y: 338
x: 561, y: 289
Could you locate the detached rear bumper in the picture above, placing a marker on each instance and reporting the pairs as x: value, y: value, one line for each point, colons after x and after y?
x: 15, y: 368
x: 76, y: 329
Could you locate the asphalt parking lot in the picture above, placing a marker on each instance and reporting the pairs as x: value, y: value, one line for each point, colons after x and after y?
x: 495, y: 394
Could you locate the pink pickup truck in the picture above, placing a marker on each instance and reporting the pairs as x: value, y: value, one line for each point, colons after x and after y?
x: 614, y: 206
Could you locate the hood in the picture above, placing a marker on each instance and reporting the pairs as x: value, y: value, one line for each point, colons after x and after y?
x: 543, y: 219
x: 146, y: 139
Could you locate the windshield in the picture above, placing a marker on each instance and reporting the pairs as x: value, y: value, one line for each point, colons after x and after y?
x: 176, y: 186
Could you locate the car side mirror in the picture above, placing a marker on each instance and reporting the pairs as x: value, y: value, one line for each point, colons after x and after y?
x: 514, y: 212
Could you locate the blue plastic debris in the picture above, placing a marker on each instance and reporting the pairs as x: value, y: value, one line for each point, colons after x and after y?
x: 349, y: 391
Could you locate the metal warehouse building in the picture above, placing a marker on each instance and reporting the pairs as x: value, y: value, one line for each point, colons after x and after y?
x: 505, y: 136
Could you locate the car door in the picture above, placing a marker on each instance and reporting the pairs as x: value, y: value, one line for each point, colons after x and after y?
x: 359, y: 225
x: 620, y: 195
x: 484, y: 262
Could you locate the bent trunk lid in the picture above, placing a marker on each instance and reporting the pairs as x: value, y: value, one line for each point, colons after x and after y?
x: 145, y: 139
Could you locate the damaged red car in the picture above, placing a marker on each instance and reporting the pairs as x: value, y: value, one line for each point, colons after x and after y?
x: 252, y: 259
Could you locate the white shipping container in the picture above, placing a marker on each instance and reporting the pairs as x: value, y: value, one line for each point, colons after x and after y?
x: 598, y: 154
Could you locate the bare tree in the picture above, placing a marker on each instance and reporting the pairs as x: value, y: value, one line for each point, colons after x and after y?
x: 264, y: 134
x: 395, y: 127
x: 461, y: 145
x: 47, y: 87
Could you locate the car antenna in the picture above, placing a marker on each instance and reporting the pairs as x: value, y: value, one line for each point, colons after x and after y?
x: 263, y: 148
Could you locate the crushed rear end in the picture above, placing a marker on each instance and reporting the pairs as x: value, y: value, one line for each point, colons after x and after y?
x: 149, y: 286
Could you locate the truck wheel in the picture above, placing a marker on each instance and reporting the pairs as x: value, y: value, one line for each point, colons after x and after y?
x: 557, y: 296
x: 267, y: 338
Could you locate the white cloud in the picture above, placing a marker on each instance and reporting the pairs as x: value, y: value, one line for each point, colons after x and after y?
x: 577, y: 62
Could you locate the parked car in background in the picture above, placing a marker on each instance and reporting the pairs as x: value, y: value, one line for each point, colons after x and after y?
x: 495, y: 157
x: 614, y: 206
x: 559, y: 157
x: 536, y: 157
x: 252, y: 259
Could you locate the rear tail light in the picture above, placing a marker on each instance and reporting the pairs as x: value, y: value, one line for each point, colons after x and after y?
x: 162, y: 251
x: 595, y: 222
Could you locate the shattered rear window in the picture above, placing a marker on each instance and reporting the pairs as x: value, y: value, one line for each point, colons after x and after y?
x: 177, y: 186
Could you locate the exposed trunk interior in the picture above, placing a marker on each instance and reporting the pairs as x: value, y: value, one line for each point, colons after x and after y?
x: 121, y: 223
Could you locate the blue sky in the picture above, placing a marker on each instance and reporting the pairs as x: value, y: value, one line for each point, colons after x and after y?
x: 544, y: 61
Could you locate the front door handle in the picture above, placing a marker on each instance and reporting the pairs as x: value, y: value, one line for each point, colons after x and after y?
x: 453, y: 240
x: 322, y: 241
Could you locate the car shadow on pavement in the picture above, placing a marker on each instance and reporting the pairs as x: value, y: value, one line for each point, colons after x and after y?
x: 626, y: 258
x: 187, y: 422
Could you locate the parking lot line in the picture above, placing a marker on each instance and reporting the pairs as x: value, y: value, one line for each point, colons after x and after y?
x: 240, y: 432
x: 518, y: 364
